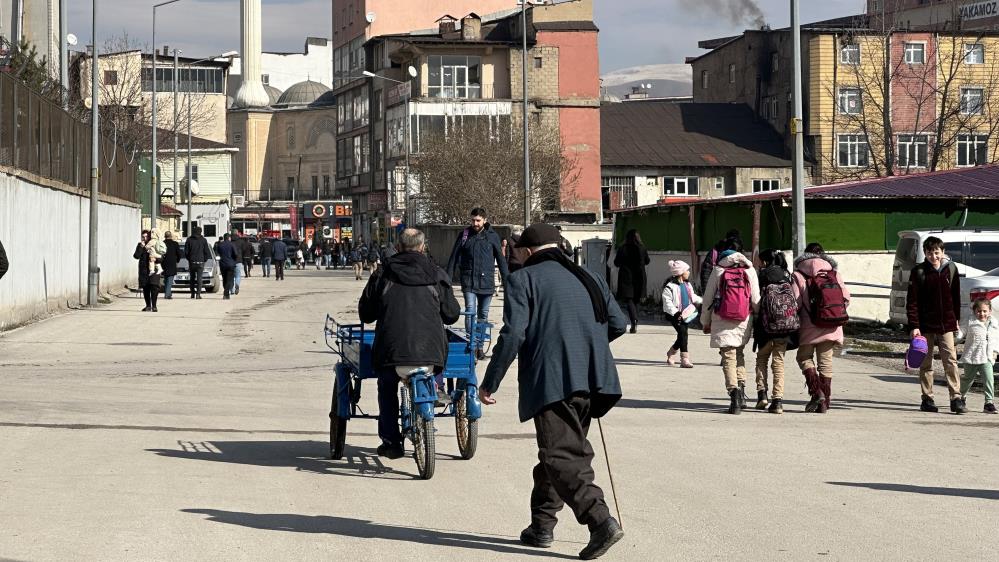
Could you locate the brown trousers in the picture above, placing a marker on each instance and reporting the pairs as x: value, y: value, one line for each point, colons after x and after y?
x: 948, y: 356
x: 774, y: 351
x: 733, y: 366
x: 817, y: 356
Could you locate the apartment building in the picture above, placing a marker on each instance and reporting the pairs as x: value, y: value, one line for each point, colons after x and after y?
x: 935, y: 14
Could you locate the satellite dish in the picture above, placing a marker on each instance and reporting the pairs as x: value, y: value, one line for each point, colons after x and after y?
x: 412, y: 71
x: 370, y: 17
x: 194, y: 186
x: 72, y: 40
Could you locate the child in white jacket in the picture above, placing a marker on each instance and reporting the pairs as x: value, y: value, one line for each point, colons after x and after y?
x: 679, y: 299
x: 980, y: 347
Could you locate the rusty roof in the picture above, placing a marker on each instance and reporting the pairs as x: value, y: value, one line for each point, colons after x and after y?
x: 663, y: 134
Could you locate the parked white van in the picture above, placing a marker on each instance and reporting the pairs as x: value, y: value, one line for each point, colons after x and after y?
x: 975, y: 252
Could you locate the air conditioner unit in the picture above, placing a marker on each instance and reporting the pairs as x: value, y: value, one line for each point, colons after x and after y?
x: 238, y: 200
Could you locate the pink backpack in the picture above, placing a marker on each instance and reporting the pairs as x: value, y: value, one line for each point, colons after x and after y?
x: 734, y: 294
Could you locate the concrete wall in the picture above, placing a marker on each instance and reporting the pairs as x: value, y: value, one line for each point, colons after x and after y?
x: 867, y: 303
x: 45, y: 233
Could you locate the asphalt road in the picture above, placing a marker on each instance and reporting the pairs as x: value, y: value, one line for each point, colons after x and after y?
x: 200, y: 433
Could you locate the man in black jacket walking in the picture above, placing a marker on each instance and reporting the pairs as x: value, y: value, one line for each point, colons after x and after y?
x: 169, y: 263
x: 476, y: 253
x: 560, y: 319
x: 198, y: 253
x: 411, y: 300
x: 229, y: 263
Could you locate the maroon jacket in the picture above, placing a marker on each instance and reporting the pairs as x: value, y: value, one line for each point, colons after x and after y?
x: 933, y: 303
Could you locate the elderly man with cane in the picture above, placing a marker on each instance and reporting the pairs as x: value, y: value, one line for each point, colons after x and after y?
x: 560, y: 320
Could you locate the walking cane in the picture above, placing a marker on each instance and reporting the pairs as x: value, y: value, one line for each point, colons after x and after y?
x: 617, y: 506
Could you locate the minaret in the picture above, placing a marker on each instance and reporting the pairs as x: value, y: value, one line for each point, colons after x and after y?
x: 251, y: 91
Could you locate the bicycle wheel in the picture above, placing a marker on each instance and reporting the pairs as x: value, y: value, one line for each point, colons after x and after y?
x: 467, y: 430
x: 338, y: 426
x: 423, y: 446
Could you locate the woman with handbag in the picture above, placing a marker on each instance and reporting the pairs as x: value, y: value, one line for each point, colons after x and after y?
x: 149, y: 281
x: 680, y: 305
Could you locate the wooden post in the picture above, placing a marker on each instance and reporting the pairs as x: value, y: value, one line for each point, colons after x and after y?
x: 756, y: 234
x: 694, y: 265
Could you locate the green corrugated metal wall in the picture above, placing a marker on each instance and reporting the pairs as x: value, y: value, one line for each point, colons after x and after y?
x: 840, y: 225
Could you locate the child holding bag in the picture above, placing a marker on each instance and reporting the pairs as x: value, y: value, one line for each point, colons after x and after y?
x: 980, y: 349
x: 680, y: 305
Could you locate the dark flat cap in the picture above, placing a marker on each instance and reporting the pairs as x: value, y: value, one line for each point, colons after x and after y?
x: 539, y: 234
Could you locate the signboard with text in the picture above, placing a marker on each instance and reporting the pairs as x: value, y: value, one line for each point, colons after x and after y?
x: 979, y: 10
x: 325, y: 210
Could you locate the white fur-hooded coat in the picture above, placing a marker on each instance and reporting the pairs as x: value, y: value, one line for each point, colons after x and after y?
x: 728, y: 333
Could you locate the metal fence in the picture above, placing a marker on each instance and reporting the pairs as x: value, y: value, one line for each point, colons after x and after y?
x: 38, y: 136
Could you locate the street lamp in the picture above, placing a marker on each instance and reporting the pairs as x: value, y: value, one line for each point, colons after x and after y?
x: 154, y: 201
x: 409, y: 94
x: 523, y: 65
x: 93, y: 271
x: 797, y: 129
x: 190, y: 188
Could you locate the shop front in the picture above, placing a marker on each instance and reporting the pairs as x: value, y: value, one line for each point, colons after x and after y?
x: 332, y: 220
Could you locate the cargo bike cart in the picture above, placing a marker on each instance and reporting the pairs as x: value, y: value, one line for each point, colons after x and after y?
x: 417, y: 411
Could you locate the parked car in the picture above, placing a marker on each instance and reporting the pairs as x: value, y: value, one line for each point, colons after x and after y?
x: 211, y: 276
x: 975, y: 252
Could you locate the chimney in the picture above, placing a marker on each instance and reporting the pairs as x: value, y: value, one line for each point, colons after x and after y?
x: 471, y: 27
x: 166, y: 50
x: 447, y: 24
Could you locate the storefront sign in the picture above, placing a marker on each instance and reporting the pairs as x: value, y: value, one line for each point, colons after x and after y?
x: 378, y: 201
x: 327, y: 209
x: 979, y: 10
x: 397, y: 94
x: 293, y: 213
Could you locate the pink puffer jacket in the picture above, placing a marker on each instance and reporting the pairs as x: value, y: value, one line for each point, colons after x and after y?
x: 808, y: 265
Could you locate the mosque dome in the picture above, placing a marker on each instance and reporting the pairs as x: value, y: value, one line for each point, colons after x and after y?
x: 273, y: 94
x: 301, y: 94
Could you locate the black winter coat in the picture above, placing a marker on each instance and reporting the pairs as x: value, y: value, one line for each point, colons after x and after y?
x: 4, y: 264
x: 170, y: 258
x: 474, y: 259
x: 280, y: 250
x: 933, y: 301
x: 197, y: 249
x: 411, y: 300
x: 266, y: 249
x: 245, y: 249
x: 142, y: 255
x: 227, y: 255
x: 631, y: 260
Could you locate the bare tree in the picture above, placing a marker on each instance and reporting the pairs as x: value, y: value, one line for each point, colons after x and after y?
x: 475, y: 166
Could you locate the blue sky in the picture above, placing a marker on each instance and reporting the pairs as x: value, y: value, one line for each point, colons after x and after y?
x: 633, y: 32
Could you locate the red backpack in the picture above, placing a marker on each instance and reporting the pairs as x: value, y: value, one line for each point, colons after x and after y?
x: 825, y: 299
x: 734, y: 294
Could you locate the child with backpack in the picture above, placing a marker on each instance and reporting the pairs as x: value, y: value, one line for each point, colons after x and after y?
x: 822, y: 299
x: 733, y: 294
x: 933, y: 307
x: 980, y: 347
x: 776, y: 323
x: 679, y: 304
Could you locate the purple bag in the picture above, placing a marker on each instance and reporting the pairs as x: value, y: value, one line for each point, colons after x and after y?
x: 916, y: 353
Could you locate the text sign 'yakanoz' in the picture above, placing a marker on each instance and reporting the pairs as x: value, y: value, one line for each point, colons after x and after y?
x: 979, y: 10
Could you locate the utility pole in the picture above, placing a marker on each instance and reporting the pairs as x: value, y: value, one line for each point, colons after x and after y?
x: 154, y: 192
x: 93, y: 271
x: 176, y: 116
x: 64, y: 55
x: 798, y: 130
x: 189, y: 175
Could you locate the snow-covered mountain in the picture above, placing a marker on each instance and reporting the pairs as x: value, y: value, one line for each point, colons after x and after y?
x: 666, y: 79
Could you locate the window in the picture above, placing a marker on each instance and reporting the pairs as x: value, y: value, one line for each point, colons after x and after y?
x: 765, y: 185
x: 315, y: 186
x: 704, y: 79
x: 453, y: 76
x: 853, y: 151
x: 291, y: 186
x: 971, y: 101
x: 731, y: 74
x: 624, y: 186
x: 680, y: 187
x: 974, y: 53
x: 326, y: 186
x: 912, y: 151
x: 972, y: 150
x: 209, y: 231
x: 538, y: 62
x: 110, y: 77
x: 774, y: 108
x: 850, y: 102
x: 719, y: 183
x: 774, y: 62
x: 850, y: 54
x: 915, y: 53
x: 193, y: 174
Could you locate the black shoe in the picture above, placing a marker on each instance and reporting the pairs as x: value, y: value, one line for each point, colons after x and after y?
x: 601, y: 539
x: 928, y: 406
x: 990, y: 408
x: 536, y: 538
x: 199, y: 297
x: 147, y: 309
x: 761, y: 400
x: 957, y: 406
x: 814, y: 403
x: 480, y: 355
x: 742, y: 395
x: 192, y: 295
x: 236, y: 292
x: 735, y: 407
x: 225, y: 297
x: 391, y: 451
x: 776, y: 406
x: 154, y: 309
x: 634, y: 329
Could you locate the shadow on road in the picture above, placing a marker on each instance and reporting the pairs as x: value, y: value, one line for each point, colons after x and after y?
x: 305, y: 456
x: 667, y: 405
x: 361, y: 529
x: 928, y: 490
x: 641, y: 362
x: 907, y: 379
